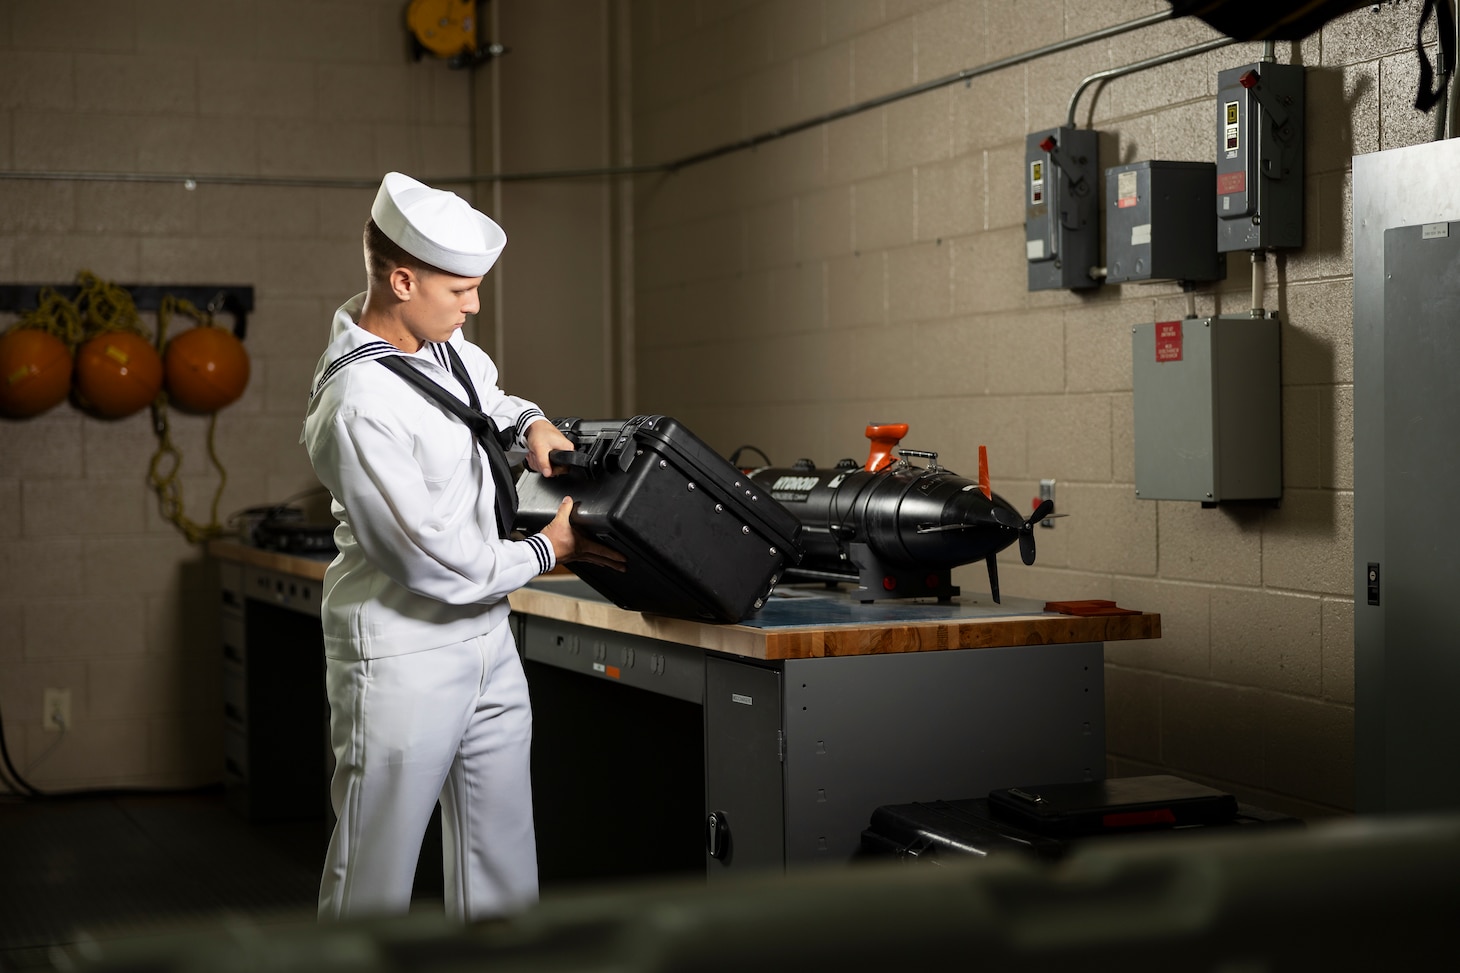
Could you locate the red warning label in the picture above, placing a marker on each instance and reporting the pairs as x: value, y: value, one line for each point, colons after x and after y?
x: 1168, y: 341
x: 1231, y: 182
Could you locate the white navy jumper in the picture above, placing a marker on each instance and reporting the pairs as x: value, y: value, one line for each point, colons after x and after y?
x: 427, y: 694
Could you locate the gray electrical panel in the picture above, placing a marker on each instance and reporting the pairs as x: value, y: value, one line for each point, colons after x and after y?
x: 1260, y: 157
x: 1061, y: 208
x: 1208, y: 409
x: 1161, y: 222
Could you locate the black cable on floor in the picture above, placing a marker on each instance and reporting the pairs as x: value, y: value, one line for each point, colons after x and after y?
x: 14, y: 780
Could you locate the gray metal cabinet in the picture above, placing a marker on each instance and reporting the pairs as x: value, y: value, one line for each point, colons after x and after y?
x: 798, y: 753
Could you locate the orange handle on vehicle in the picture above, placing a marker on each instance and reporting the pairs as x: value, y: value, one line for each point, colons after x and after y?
x: 884, y: 437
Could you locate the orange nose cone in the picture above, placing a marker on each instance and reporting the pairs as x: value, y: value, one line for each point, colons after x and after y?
x: 206, y: 368
x: 117, y: 373
x: 35, y: 372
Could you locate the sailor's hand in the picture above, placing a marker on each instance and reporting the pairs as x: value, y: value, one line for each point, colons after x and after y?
x: 574, y: 545
x: 542, y: 438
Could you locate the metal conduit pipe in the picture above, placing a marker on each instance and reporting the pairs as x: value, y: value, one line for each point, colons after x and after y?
x: 1150, y: 62
x: 967, y: 74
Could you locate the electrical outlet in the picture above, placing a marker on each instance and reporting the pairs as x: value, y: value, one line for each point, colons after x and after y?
x: 56, y: 711
x: 1046, y: 492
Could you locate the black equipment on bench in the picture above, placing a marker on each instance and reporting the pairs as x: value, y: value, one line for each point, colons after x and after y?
x: 702, y: 541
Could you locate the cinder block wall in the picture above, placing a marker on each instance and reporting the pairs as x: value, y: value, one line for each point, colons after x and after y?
x: 872, y: 268
x: 98, y: 594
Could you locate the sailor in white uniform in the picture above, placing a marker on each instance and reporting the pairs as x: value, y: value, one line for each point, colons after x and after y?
x: 427, y: 695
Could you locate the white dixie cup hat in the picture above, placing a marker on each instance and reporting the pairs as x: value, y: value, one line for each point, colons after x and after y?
x: 437, y: 227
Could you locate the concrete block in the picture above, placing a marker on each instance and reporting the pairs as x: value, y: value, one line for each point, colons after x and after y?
x: 1366, y: 34
x: 310, y: 147
x: 1302, y: 437
x: 770, y: 97
x: 950, y: 37
x: 1342, y: 115
x: 1308, y: 544
x: 23, y: 686
x: 1308, y: 749
x: 28, y: 207
x: 46, y: 447
x: 135, y: 84
x: 1004, y: 186
x: 824, y: 224
x: 40, y: 567
x: 919, y: 283
x: 883, y: 60
x: 1123, y: 438
x: 1098, y: 344
x: 1222, y: 545
x: 136, y: 209
x: 1069, y: 436
x: 943, y: 358
x: 1211, y: 729
x: 950, y: 198
x: 61, y: 508
x: 1027, y: 356
x: 1267, y: 640
x: 38, y: 81
x: 1185, y: 645
x: 364, y: 92
x: 1337, y: 438
x: 920, y: 129
x: 990, y: 111
x: 1338, y: 650
x: 770, y: 234
x: 1317, y: 338
x: 797, y: 29
x: 86, y: 25
x: 823, y: 81
x: 856, y: 147
x: 856, y: 290
x: 1132, y: 713
x: 1400, y: 123
x: 882, y: 211
x: 1110, y: 530
x: 797, y: 299
x: 168, y: 259
x: 850, y: 18
x: 988, y: 272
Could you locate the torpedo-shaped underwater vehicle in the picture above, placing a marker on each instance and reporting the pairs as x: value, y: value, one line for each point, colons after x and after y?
x: 895, y: 530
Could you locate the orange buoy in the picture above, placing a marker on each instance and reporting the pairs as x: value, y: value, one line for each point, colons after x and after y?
x: 117, y: 373
x: 205, y: 369
x: 35, y: 372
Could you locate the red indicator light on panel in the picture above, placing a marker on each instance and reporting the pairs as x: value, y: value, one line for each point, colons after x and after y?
x: 889, y: 582
x: 1048, y: 144
x: 1249, y: 79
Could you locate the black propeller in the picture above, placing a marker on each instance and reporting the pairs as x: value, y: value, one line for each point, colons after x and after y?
x: 1026, y: 530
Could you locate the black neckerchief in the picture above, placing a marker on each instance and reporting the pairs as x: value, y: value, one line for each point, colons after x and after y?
x: 492, y: 440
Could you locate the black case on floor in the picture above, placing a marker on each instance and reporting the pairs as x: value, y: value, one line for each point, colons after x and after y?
x: 940, y: 831
x: 702, y: 541
x: 1113, y: 806
x: 937, y: 830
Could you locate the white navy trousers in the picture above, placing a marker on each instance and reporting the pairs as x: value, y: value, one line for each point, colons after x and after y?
x: 452, y: 724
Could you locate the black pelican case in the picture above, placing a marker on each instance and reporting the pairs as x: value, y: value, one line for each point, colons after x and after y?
x: 702, y: 541
x: 1113, y: 806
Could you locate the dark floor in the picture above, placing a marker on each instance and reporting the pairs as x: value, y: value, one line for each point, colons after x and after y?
x: 115, y: 866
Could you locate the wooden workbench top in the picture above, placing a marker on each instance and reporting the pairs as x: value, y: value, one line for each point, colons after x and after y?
x: 788, y: 628
x: 796, y: 624
x: 299, y: 565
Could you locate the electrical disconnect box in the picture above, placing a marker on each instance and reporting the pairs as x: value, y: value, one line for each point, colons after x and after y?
x: 1260, y: 157
x: 1161, y: 223
x: 1061, y: 215
x: 1208, y: 409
